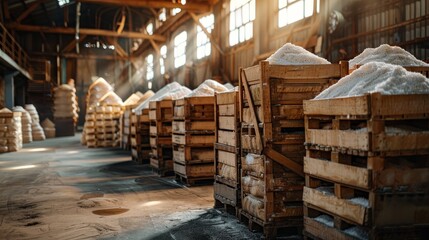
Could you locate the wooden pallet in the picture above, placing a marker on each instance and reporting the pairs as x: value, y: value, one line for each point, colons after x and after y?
x: 192, y: 181
x: 226, y: 195
x: 194, y: 108
x: 319, y: 224
x: 362, y: 123
x: 224, y: 204
x: 273, y: 229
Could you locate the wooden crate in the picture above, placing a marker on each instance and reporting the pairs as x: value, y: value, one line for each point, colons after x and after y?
x: 361, y: 175
x: 194, y: 108
x: 272, y: 129
x: 140, y: 141
x: 192, y: 155
x: 193, y: 173
x: 64, y: 127
x: 361, y: 124
x: 161, y: 111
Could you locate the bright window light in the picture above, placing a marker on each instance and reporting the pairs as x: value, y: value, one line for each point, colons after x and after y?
x: 149, y: 28
x: 149, y: 67
x: 291, y: 11
x: 203, y: 42
x: 63, y: 2
x: 180, y: 49
x: 241, y: 16
x: 175, y: 11
x: 162, y: 58
x: 162, y: 15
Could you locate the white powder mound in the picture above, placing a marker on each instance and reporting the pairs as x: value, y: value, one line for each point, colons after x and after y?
x: 164, y: 90
x: 291, y: 54
x: 360, y: 201
x: 176, y: 94
x: 326, y: 190
x: 229, y: 86
x: 208, y: 88
x: 325, y: 219
x: 380, y: 77
x: 387, y: 54
x: 357, y: 232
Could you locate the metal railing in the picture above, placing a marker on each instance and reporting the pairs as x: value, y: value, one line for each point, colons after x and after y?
x: 10, y: 46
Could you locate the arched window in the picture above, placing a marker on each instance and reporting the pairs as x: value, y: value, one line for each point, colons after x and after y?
x: 241, y: 16
x: 180, y: 49
x: 291, y: 11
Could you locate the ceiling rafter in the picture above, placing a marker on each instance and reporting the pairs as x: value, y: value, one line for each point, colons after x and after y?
x: 29, y: 10
x: 85, y: 31
x: 190, y: 6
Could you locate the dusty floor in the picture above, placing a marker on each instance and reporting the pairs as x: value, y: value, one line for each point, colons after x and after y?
x: 57, y: 189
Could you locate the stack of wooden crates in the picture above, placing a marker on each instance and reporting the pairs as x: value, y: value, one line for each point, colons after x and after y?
x: 193, y: 138
x: 272, y: 140
x: 227, y: 164
x: 125, y: 127
x: 140, y: 143
x: 161, y: 117
x: 367, y: 167
x: 107, y: 125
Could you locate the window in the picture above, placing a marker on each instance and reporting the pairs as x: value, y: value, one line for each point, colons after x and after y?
x: 63, y: 2
x: 241, y: 16
x: 149, y: 67
x: 163, y: 52
x: 203, y: 42
x: 149, y: 28
x: 162, y: 15
x: 180, y: 49
x: 291, y: 11
x: 175, y: 11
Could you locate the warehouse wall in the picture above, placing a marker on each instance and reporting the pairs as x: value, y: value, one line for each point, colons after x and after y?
x: 267, y: 36
x: 371, y: 23
x: 1, y: 93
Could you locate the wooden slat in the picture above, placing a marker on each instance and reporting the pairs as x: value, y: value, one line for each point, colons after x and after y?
x: 342, y: 173
x: 191, y: 6
x: 340, y: 207
x: 284, y: 161
x: 339, y: 106
x: 337, y: 138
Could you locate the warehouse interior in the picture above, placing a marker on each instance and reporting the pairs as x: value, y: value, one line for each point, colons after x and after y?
x: 214, y: 119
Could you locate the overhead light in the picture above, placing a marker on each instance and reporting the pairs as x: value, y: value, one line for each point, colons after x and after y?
x: 63, y: 2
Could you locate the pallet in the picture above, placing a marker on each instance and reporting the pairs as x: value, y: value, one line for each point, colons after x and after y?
x: 194, y: 171
x: 194, y: 108
x: 273, y: 229
x: 362, y: 123
x: 319, y: 224
x: 193, y: 181
x: 223, y: 203
x: 227, y: 195
x: 162, y: 172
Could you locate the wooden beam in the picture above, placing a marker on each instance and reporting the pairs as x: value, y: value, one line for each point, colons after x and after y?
x: 72, y: 44
x: 118, y: 49
x: 82, y: 56
x: 29, y: 10
x: 190, y: 6
x: 6, y: 10
x: 154, y: 12
x: 212, y: 40
x: 45, y: 40
x: 85, y: 31
x: 121, y: 24
x: 179, y: 19
x: 155, y: 46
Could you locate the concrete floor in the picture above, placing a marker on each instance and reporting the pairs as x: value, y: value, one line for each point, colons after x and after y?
x: 58, y: 189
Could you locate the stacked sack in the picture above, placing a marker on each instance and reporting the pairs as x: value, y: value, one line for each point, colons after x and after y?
x: 26, y: 121
x: 65, y: 102
x: 36, y: 129
x: 48, y: 128
x: 96, y: 91
x: 10, y: 131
